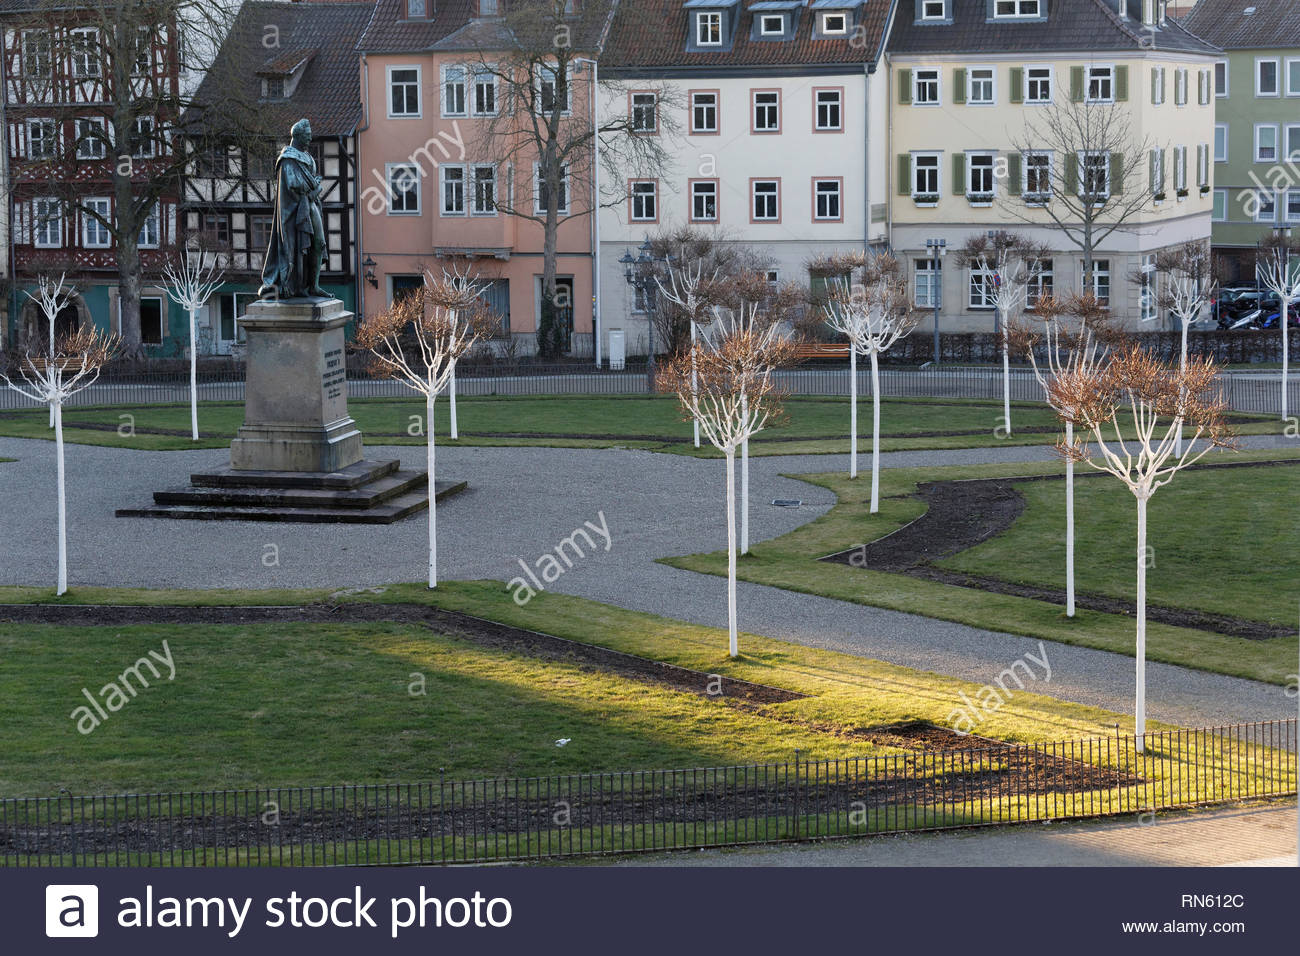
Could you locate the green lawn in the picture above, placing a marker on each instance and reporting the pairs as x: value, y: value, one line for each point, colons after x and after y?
x: 811, y: 426
x: 297, y: 704
x: 1221, y: 541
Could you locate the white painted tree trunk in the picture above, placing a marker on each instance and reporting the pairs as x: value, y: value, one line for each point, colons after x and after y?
x: 875, y: 433
x: 731, y: 552
x: 1140, y: 713
x: 57, y: 411
x: 451, y: 392
x: 1182, y: 368
x: 1006, y: 378
x: 51, y: 357
x: 194, y: 381
x: 433, y: 500
x: 744, y: 483
x: 1069, y: 525
x: 695, y: 422
x: 1286, y: 308
x: 853, y: 411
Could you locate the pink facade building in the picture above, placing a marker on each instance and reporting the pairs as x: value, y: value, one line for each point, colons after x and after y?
x: 433, y: 197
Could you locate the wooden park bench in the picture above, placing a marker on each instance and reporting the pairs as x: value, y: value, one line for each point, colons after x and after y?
x: 820, y: 350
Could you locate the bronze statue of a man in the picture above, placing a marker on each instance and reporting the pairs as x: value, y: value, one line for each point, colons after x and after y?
x: 297, y: 249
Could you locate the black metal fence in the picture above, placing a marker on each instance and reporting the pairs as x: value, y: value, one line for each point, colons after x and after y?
x: 1258, y: 392
x: 986, y: 783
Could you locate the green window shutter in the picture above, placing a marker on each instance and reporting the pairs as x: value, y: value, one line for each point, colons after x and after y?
x: 1072, y: 173
x: 1121, y: 83
x: 905, y: 87
x: 1017, y: 84
x: 1076, y: 84
x: 1013, y: 173
x: 959, y: 174
x: 959, y: 85
x: 1155, y: 85
x: 1116, y: 173
x: 904, y: 174
x: 1154, y: 172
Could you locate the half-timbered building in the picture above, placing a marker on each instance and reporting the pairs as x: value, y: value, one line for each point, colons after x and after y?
x: 280, y: 63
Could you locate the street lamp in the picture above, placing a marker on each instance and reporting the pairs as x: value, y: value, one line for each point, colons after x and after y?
x: 936, y: 249
x: 640, y: 278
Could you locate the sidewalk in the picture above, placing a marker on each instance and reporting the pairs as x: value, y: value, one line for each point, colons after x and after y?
x: 1261, y: 835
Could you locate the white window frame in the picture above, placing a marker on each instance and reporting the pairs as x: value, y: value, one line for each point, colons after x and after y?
x: 652, y: 194
x: 838, y: 105
x: 838, y: 194
x: 1227, y: 78
x: 827, y: 31
x: 1157, y: 160
x: 81, y: 124
x: 1290, y: 214
x: 1051, y: 85
x: 1084, y: 156
x: 1287, y: 154
x: 483, y: 76
x: 938, y: 173
x: 85, y: 55
x: 450, y: 175
x: 390, y: 170
x: 1205, y: 87
x: 1180, y: 86
x: 773, y: 194
x: 452, y: 76
x: 1221, y: 129
x: 418, y: 85
x: 1032, y: 195
x: 545, y: 70
x: 992, y: 80
x: 1277, y: 143
x: 980, y: 279
x: 765, y: 20
x: 1180, y: 170
x: 1203, y: 164
x: 1220, y: 200
x: 1158, y: 82
x: 932, y: 272
x: 991, y: 167
x: 653, y: 128
x: 927, y: 16
x: 27, y: 54
x: 701, y: 131
x: 146, y: 146
x: 45, y: 224
x: 713, y: 21
x: 1291, y: 61
x: 103, y: 237
x: 1019, y: 7
x: 1259, y: 205
x: 1097, y: 275
x: 154, y: 219
x: 753, y: 110
x: 566, y: 191
x: 43, y: 122
x: 473, y: 184
x: 1277, y: 76
x: 698, y: 193
x: 936, y: 79
x: 1109, y: 79
x: 1043, y: 280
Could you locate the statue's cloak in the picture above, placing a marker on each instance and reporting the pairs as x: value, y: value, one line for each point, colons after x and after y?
x: 291, y: 227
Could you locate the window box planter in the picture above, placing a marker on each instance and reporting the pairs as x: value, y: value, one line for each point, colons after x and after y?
x: 926, y: 200
x: 980, y: 199
x: 1183, y: 194
x: 1037, y: 199
x: 1205, y: 190
x: 1160, y: 197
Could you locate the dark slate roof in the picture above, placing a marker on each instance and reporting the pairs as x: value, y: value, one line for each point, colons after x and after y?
x: 329, y: 93
x: 453, y: 27
x: 1084, y: 26
x: 1275, y: 23
x: 651, y: 35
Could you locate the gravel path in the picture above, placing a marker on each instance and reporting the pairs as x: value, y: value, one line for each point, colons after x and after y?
x: 522, y: 502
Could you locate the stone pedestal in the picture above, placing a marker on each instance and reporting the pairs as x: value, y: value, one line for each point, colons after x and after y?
x: 296, y: 394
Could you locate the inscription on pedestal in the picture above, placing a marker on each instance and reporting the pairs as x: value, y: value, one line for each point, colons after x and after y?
x: 335, y: 375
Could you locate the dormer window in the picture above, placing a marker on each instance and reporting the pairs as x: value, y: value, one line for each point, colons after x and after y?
x: 771, y: 25
x: 835, y: 24
x: 415, y: 9
x: 489, y: 8
x: 934, y: 9
x: 1008, y: 9
x: 273, y: 88
x: 708, y: 29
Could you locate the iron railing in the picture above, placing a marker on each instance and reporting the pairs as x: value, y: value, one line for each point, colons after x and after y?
x: 473, y: 821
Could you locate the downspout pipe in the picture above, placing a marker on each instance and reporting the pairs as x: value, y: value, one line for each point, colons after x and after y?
x: 357, y: 253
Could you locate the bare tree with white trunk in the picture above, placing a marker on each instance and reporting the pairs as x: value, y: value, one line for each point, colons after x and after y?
x: 1067, y: 350
x: 459, y: 295
x: 686, y: 288
x: 1277, y: 263
x: 873, y: 314
x: 418, y: 340
x: 190, y: 283
x: 72, y: 365
x: 1184, y: 286
x: 52, y: 297
x: 733, y: 395
x: 1155, y: 399
x: 1007, y: 266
